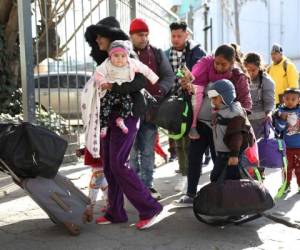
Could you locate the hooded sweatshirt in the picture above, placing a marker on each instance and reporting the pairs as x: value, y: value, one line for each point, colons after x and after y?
x: 231, y: 129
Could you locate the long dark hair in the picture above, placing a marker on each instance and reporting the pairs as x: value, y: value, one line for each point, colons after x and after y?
x: 109, y: 28
x: 239, y: 56
x: 231, y: 54
x: 226, y: 51
x: 255, y: 59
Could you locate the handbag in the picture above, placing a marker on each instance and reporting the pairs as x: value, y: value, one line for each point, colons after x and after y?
x: 173, y: 113
x: 274, y: 147
x: 231, y: 198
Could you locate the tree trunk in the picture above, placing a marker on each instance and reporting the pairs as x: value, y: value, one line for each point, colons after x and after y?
x: 12, y: 49
x: 237, y: 22
x: 5, y: 7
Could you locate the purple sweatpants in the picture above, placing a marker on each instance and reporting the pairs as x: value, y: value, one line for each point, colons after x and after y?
x: 121, y: 178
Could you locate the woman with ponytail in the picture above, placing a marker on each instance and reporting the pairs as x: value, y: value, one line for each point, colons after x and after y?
x: 262, y: 93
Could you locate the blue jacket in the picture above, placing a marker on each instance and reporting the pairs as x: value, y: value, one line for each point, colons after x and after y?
x: 193, y: 54
x: 290, y: 128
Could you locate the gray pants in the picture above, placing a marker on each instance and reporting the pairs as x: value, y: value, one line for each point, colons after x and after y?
x: 258, y: 127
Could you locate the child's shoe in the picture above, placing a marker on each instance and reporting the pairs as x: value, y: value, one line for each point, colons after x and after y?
x: 102, y: 221
x: 103, y: 132
x: 120, y: 123
x: 193, y: 134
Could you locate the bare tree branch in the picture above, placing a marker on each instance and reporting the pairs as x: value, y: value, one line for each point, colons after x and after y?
x: 62, y: 48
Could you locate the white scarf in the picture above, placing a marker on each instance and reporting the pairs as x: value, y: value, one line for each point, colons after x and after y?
x: 90, y: 108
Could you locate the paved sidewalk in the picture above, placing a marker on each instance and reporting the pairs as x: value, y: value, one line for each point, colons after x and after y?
x: 23, y: 225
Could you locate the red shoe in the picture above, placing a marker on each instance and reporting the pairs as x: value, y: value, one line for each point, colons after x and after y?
x: 102, y: 221
x: 147, y: 223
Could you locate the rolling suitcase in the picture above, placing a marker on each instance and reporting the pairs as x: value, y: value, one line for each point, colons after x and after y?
x: 64, y: 203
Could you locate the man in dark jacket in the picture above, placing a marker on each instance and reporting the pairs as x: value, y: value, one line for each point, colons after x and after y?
x: 184, y: 52
x: 142, y: 154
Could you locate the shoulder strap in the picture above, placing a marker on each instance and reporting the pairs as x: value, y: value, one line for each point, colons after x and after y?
x: 260, y: 79
x: 285, y: 65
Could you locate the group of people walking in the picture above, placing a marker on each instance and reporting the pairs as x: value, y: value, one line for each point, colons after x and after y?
x: 231, y: 95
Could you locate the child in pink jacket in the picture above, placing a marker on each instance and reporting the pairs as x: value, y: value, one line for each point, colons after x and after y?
x: 213, y: 68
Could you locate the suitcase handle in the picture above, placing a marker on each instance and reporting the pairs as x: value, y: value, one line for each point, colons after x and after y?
x: 17, y: 179
x: 55, y: 196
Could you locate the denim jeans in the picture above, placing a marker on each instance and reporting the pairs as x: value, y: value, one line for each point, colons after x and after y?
x: 197, y: 149
x: 142, y: 152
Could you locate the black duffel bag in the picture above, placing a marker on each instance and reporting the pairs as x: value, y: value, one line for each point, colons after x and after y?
x: 173, y: 113
x: 226, y: 199
x: 30, y: 150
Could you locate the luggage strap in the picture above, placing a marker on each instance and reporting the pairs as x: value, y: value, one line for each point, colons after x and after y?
x: 282, y: 188
x: 229, y: 220
x: 55, y: 196
x: 13, y: 175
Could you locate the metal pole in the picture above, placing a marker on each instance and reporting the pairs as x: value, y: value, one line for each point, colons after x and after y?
x: 206, y: 8
x: 112, y: 8
x: 132, y: 9
x: 211, y: 35
x: 26, y: 58
x: 191, y: 20
x: 269, y: 30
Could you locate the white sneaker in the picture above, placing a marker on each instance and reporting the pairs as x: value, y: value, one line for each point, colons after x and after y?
x: 184, y: 201
x: 156, y: 195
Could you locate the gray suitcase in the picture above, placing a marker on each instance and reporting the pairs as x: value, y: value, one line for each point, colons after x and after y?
x: 64, y: 203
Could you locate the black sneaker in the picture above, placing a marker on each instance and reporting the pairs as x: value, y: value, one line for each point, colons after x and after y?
x: 156, y: 195
x: 166, y: 159
x: 172, y: 158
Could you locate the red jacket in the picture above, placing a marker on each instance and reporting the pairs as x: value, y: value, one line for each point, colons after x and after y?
x: 89, y: 160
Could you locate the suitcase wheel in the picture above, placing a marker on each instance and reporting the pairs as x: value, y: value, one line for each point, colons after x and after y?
x: 72, y: 228
x: 87, y: 215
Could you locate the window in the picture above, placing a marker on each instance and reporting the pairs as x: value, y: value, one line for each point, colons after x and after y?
x: 42, y: 81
